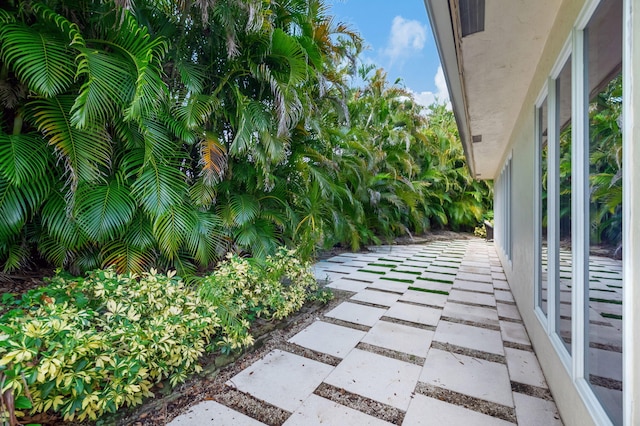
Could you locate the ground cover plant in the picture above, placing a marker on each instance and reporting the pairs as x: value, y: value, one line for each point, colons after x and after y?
x: 82, y: 347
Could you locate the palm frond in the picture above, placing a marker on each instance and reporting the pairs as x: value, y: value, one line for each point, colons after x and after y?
x: 127, y: 257
x: 172, y: 227
x: 213, y: 159
x: 85, y: 151
x: 244, y: 208
x: 159, y: 186
x: 19, y: 202
x: 103, y: 210
x: 109, y: 86
x: 23, y: 157
x: 41, y: 59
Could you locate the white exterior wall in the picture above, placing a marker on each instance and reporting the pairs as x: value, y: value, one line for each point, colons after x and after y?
x: 520, y: 268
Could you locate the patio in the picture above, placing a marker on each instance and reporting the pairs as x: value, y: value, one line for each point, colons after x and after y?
x: 431, y: 335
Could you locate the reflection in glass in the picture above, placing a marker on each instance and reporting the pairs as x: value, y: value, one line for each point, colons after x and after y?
x: 563, y: 296
x: 543, y: 152
x: 604, y: 361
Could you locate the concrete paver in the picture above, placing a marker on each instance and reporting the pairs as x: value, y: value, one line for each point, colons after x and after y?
x: 328, y: 338
x: 467, y: 336
x: 281, y: 378
x: 213, y: 413
x: 467, y: 375
x: 399, y: 337
x: 317, y: 410
x: 417, y: 314
x: 429, y: 412
x: 374, y: 376
x: 355, y: 313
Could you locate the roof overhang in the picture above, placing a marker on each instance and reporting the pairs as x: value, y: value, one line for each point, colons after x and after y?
x: 489, y: 72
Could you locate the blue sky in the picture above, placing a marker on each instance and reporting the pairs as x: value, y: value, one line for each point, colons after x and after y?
x: 399, y: 40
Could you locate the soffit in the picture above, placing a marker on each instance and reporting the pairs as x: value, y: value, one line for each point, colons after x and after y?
x: 498, y: 65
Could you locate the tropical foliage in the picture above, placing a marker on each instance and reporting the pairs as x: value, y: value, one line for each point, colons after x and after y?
x: 165, y: 134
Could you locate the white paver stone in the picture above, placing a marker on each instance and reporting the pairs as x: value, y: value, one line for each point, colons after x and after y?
x: 532, y: 411
x: 474, y: 277
x: 383, y: 298
x: 215, y: 414
x: 389, y: 285
x: 501, y: 285
x: 472, y: 297
x: 382, y: 379
x: 398, y: 337
x: 412, y: 313
x: 355, y: 313
x: 508, y: 311
x: 328, y: 338
x: 348, y: 285
x: 282, y: 379
x: 471, y: 337
x: 470, y: 376
x: 524, y: 368
x: 430, y: 412
x: 316, y: 410
x: 432, y: 285
x: 473, y: 286
x: 477, y: 314
x: 474, y: 268
x: 424, y: 297
x: 514, y: 332
x: 434, y: 276
x: 504, y: 296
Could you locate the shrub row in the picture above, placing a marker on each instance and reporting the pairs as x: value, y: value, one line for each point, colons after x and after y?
x: 85, y: 346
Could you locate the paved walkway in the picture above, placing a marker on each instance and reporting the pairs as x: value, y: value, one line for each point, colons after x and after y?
x: 431, y: 336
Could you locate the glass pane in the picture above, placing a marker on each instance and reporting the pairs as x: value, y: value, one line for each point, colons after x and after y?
x: 543, y: 152
x: 563, y: 94
x: 604, y: 365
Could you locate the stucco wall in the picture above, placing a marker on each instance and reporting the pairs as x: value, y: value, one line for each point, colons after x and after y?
x: 521, y: 272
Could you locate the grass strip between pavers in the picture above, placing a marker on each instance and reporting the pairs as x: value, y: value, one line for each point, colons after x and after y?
x: 613, y: 302
x: 426, y: 290
x: 382, y: 265
x: 407, y: 272
x: 400, y: 280
x: 384, y: 259
x: 435, y: 280
x: 612, y: 316
x: 372, y: 272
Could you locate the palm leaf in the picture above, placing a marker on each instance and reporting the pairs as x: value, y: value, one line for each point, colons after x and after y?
x: 85, y: 151
x: 172, y: 228
x: 159, y: 186
x: 18, y: 203
x: 103, y: 211
x: 205, y: 240
x: 192, y: 76
x: 60, y: 225
x: 41, y: 59
x: 213, y: 159
x: 23, y: 157
x: 136, y: 44
x: 127, y: 257
x: 108, y: 88
x: 244, y: 208
x: 15, y: 255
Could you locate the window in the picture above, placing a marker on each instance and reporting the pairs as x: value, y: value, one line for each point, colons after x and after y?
x: 542, y: 209
x: 579, y: 208
x: 603, y: 242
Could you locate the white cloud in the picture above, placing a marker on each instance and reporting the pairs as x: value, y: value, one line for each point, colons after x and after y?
x: 427, y: 98
x: 406, y: 37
